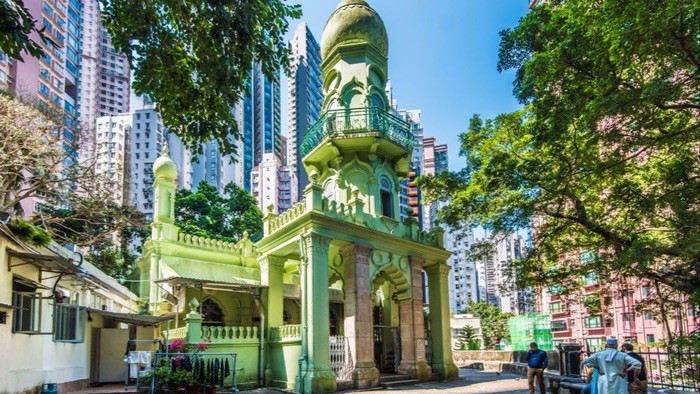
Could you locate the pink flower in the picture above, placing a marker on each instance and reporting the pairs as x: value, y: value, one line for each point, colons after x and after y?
x: 176, y: 344
x: 201, y: 347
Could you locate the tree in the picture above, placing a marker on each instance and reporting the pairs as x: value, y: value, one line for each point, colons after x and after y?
x: 494, y: 323
x: 16, y: 26
x: 604, y: 157
x: 206, y: 213
x: 468, y: 339
x: 73, y: 203
x: 193, y: 58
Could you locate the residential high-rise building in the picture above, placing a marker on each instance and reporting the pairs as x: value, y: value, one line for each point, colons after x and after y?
x: 463, y: 275
x: 435, y: 161
x: 112, y: 148
x: 147, y: 142
x: 82, y: 74
x: 104, y: 87
x: 496, y: 274
x: 68, y: 74
x: 305, y: 96
x: 273, y: 184
x: 410, y: 195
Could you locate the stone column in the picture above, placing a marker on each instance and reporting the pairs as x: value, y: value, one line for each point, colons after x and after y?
x: 358, y: 315
x: 271, y: 271
x: 440, y: 320
x: 418, y: 367
x: 318, y: 377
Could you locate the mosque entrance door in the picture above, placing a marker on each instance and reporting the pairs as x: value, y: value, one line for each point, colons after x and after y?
x: 387, y: 344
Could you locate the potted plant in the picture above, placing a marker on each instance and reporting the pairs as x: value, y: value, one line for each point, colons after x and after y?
x: 160, y: 377
x: 181, y: 380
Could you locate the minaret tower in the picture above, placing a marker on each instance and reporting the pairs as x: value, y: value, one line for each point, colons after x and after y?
x: 357, y: 147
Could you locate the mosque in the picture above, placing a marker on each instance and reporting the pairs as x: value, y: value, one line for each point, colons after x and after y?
x: 333, y: 294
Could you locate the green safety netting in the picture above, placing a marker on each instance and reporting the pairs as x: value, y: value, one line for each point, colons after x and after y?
x: 530, y: 328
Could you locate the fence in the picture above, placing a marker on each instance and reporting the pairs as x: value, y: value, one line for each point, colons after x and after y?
x: 198, y: 369
x: 340, y: 357
x: 672, y: 370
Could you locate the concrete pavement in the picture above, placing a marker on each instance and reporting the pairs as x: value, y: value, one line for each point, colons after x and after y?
x: 469, y: 382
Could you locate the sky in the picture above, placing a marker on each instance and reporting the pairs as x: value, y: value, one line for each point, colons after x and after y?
x: 442, y: 59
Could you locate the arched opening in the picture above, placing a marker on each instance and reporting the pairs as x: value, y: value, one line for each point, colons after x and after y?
x: 386, y: 197
x: 212, y: 313
x: 386, y: 324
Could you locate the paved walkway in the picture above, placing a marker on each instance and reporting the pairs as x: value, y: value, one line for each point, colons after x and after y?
x: 469, y: 382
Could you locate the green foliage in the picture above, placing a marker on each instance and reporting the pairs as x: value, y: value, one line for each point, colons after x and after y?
x: 16, y: 26
x: 206, y: 213
x: 494, y: 323
x: 193, y: 58
x: 468, y: 339
x: 604, y: 156
x: 27, y: 231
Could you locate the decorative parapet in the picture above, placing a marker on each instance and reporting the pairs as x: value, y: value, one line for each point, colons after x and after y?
x: 277, y: 222
x: 291, y: 332
x: 176, y: 333
x: 232, y: 334
x: 243, y: 248
x: 331, y: 208
x: 202, y: 242
x: 358, y: 121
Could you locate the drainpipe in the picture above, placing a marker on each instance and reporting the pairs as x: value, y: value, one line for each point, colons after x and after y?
x: 261, y: 347
x: 304, y: 309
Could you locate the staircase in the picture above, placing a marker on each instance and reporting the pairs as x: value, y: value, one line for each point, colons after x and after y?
x: 389, y: 380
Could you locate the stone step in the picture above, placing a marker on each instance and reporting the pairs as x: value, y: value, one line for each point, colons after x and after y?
x: 391, y: 380
x: 404, y: 382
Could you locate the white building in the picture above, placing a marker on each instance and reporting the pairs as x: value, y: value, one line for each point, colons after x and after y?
x: 458, y: 322
x: 496, y: 275
x: 463, y: 277
x: 62, y: 319
x: 273, y: 184
x: 147, y: 142
x: 112, y: 153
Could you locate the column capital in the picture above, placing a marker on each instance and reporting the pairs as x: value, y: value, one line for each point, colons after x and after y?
x: 437, y: 268
x: 315, y: 243
x: 350, y: 252
x: 417, y: 263
x: 272, y: 261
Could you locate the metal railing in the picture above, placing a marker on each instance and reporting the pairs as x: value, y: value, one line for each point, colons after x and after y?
x: 356, y: 121
x: 672, y: 370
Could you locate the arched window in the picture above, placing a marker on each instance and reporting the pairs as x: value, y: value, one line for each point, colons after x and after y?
x: 376, y: 101
x: 328, y: 189
x: 212, y: 314
x: 386, y: 197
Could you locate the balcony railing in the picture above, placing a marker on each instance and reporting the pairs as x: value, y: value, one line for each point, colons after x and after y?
x: 356, y: 121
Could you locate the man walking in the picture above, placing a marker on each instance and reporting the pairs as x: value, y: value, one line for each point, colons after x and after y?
x: 612, y: 367
x: 536, y: 363
x: 637, y: 383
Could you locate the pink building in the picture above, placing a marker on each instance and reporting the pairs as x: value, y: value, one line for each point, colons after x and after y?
x: 599, y: 311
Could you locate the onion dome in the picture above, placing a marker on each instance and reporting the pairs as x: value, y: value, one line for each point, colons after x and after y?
x: 354, y: 21
x: 164, y: 168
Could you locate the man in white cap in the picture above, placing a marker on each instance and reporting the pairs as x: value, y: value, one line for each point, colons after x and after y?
x: 612, y: 367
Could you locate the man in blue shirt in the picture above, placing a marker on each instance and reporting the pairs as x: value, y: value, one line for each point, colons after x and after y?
x: 536, y: 363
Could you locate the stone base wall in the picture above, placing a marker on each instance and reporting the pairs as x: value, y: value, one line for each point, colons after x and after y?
x: 490, y: 360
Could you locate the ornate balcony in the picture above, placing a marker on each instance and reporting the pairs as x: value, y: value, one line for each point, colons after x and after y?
x: 345, y: 122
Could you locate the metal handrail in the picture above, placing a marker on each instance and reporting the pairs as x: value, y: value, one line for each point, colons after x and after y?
x: 354, y: 121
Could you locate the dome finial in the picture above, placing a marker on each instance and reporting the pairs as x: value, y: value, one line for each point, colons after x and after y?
x: 354, y: 22
x: 166, y: 150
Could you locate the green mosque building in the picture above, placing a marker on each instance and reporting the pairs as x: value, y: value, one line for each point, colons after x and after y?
x: 333, y: 294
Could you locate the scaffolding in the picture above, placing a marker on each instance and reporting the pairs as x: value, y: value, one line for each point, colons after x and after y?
x: 530, y: 328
